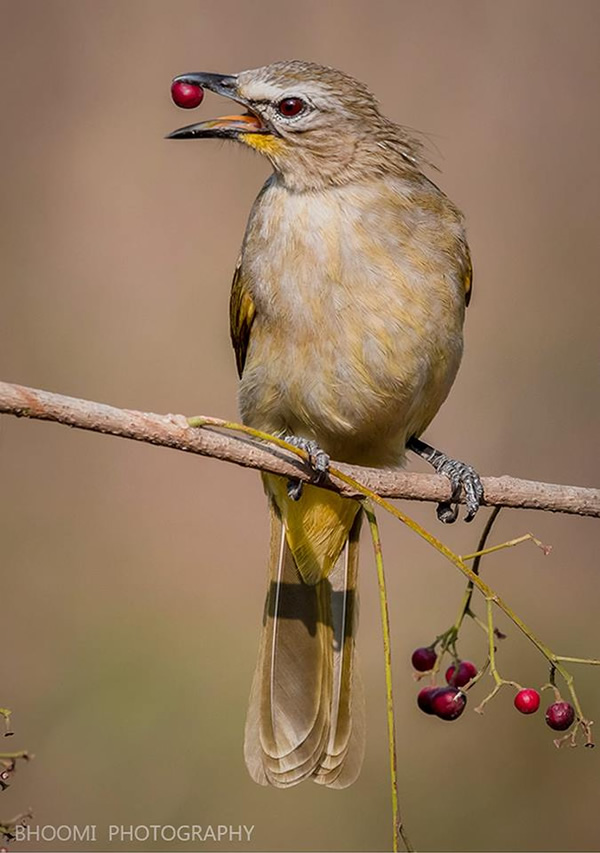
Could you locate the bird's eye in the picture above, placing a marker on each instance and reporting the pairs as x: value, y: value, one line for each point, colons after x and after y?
x: 290, y: 107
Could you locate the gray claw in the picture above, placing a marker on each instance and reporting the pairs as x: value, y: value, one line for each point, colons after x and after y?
x: 318, y: 459
x: 461, y: 476
x: 473, y: 492
x: 447, y: 512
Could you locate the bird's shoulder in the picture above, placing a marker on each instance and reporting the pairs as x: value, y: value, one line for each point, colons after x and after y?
x: 427, y: 210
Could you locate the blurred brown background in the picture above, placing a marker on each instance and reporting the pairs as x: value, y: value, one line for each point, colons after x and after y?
x: 133, y: 577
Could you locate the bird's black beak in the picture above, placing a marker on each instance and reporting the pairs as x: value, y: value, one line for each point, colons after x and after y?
x: 227, y: 127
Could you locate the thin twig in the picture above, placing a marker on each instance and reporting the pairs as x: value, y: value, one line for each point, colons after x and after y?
x: 466, y: 603
x: 174, y: 431
x: 499, y: 682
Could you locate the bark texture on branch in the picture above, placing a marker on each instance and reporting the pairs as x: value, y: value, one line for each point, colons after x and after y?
x: 173, y: 431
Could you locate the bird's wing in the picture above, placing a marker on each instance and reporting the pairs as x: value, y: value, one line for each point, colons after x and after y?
x: 241, y: 316
x: 468, y: 276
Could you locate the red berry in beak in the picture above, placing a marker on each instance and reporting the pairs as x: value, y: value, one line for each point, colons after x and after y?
x: 448, y: 703
x: 187, y: 95
x: 423, y: 659
x: 560, y: 716
x: 527, y: 701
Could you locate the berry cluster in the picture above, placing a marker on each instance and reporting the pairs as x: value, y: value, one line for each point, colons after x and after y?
x: 449, y: 702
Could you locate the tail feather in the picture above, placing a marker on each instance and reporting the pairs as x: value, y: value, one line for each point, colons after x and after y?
x: 302, y: 721
x: 341, y: 764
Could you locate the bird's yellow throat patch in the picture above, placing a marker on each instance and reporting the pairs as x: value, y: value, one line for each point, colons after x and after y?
x: 263, y: 142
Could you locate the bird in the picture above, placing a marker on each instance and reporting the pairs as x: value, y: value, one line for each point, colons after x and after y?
x: 346, y: 318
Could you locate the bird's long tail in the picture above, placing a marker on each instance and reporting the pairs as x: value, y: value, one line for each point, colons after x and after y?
x: 306, y: 713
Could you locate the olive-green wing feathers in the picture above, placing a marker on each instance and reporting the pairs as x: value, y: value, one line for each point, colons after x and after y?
x: 241, y: 316
x: 468, y: 277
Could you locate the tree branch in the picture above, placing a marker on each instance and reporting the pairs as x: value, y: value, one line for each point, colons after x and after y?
x: 174, y: 431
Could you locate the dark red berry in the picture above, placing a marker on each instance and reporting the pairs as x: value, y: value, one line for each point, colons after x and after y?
x: 425, y: 698
x: 423, y: 659
x: 527, y: 701
x: 448, y: 703
x: 187, y: 95
x: 560, y: 716
x: 461, y: 676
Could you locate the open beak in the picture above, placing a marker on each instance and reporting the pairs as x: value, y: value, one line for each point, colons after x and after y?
x: 225, y: 127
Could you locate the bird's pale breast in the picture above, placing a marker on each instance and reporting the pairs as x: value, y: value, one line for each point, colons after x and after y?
x: 359, y: 296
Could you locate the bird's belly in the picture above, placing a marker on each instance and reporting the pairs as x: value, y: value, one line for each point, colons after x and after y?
x: 358, y: 329
x: 355, y: 384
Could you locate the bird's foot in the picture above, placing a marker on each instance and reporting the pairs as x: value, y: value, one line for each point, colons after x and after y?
x: 461, y: 476
x: 317, y: 459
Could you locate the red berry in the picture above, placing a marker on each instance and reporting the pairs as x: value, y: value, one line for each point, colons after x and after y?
x: 527, y: 701
x: 448, y: 703
x: 425, y: 698
x: 560, y: 716
x: 187, y: 95
x: 423, y: 659
x: 461, y: 676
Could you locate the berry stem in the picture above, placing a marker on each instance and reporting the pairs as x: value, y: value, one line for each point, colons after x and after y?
x: 13, y: 756
x: 527, y: 537
x: 477, y: 621
x: 477, y: 677
x: 465, y: 607
x: 499, y: 681
x: 448, y: 638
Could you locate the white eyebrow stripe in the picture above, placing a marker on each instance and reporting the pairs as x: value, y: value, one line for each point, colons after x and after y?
x: 261, y: 90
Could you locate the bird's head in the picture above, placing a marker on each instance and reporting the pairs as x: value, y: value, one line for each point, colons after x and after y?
x: 316, y: 125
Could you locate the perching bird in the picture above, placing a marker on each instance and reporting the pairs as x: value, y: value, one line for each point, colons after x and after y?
x: 347, y: 310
